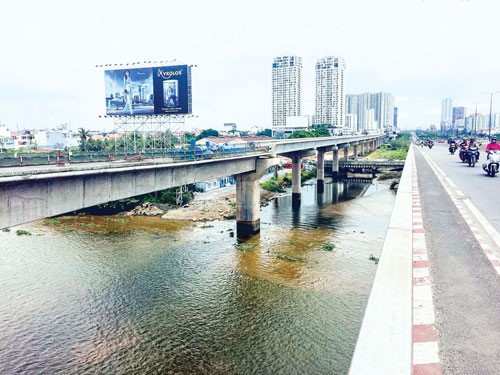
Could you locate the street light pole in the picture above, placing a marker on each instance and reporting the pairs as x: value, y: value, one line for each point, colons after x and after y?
x: 474, y: 125
x: 491, y: 93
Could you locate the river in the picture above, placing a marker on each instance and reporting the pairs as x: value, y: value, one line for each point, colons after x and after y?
x: 116, y: 295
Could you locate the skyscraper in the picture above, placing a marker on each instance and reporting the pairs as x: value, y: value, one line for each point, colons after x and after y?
x: 330, y: 99
x: 382, y: 104
x: 287, y: 82
x: 446, y: 114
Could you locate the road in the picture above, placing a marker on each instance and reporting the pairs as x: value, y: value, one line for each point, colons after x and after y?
x: 473, y: 182
x: 465, y: 281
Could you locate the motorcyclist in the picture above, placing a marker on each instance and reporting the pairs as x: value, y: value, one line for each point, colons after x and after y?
x: 463, y: 148
x: 452, y: 145
x: 473, y: 147
x: 493, y: 145
x: 464, y: 143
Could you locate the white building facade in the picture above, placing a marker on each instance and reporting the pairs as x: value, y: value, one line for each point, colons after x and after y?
x: 286, y: 86
x: 374, y: 111
x: 330, y: 98
x: 446, y: 113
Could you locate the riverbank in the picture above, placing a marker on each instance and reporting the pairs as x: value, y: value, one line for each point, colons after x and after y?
x: 218, y: 204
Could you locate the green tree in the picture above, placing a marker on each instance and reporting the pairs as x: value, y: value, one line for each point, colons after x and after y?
x: 207, y: 133
x: 321, y: 130
x: 266, y: 132
x: 84, y: 136
x: 302, y: 134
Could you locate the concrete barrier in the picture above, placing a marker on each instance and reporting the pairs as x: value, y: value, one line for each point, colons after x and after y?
x: 385, y: 340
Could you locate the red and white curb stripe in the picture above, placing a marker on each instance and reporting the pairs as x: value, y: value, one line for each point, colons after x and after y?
x: 466, y: 209
x: 425, y: 339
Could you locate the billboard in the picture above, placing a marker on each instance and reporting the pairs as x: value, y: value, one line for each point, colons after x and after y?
x: 162, y: 90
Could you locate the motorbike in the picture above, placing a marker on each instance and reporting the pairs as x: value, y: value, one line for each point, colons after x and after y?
x: 462, y: 153
x: 430, y: 144
x: 452, y: 148
x: 492, y: 164
x: 471, y: 157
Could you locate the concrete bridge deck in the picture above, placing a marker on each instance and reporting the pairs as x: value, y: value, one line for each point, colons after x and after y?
x: 435, y: 299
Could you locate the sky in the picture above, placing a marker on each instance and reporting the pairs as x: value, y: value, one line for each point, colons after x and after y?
x: 421, y: 51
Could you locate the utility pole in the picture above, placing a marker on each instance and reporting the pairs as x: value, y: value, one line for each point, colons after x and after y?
x: 491, y: 93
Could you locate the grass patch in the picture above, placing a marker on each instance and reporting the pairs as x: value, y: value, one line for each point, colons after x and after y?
x: 389, y: 175
x: 272, y: 185
x: 245, y: 246
x: 384, y: 153
x: 53, y: 221
x: 328, y: 246
x: 288, y: 257
x: 374, y: 258
x: 22, y: 232
x: 117, y: 219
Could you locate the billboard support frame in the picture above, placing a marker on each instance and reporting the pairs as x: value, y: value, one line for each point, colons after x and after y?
x: 165, y: 125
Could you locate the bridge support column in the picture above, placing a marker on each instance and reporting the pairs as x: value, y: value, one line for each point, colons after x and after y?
x: 247, y: 204
x: 355, y: 151
x: 320, y: 172
x: 248, y: 198
x: 346, y: 153
x: 296, y: 181
x: 362, y: 149
x: 335, y: 163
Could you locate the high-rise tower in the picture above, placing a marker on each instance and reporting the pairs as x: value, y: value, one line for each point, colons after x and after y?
x: 330, y: 99
x: 446, y: 114
x: 287, y: 82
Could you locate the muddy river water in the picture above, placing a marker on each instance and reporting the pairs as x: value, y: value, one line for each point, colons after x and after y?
x: 136, y: 295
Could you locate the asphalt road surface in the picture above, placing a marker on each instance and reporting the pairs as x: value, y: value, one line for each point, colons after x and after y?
x: 466, y: 287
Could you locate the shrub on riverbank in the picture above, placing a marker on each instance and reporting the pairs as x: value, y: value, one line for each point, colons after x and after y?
x: 278, y: 184
x: 397, y: 149
x: 389, y: 175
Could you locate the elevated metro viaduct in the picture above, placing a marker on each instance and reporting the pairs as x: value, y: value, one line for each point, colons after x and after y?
x: 33, y: 195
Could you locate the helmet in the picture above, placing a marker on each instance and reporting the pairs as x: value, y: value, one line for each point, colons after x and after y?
x: 472, y: 139
x: 493, y: 138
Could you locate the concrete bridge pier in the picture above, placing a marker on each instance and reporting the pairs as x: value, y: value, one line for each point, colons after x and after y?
x: 248, y: 198
x: 346, y: 153
x: 320, y: 171
x: 335, y: 163
x: 362, y: 148
x: 296, y: 181
x: 355, y: 151
x: 247, y: 204
x: 296, y: 157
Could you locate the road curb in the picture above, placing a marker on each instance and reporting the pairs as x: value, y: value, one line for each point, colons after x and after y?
x: 384, y: 344
x: 425, y: 359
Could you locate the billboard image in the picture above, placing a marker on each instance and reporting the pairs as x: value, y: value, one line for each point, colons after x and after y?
x: 147, y: 91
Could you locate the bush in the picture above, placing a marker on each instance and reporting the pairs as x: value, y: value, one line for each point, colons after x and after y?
x: 272, y: 185
x: 328, y: 246
x: 22, y: 232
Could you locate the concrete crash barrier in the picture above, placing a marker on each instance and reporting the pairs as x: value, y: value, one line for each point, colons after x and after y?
x: 384, y: 344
